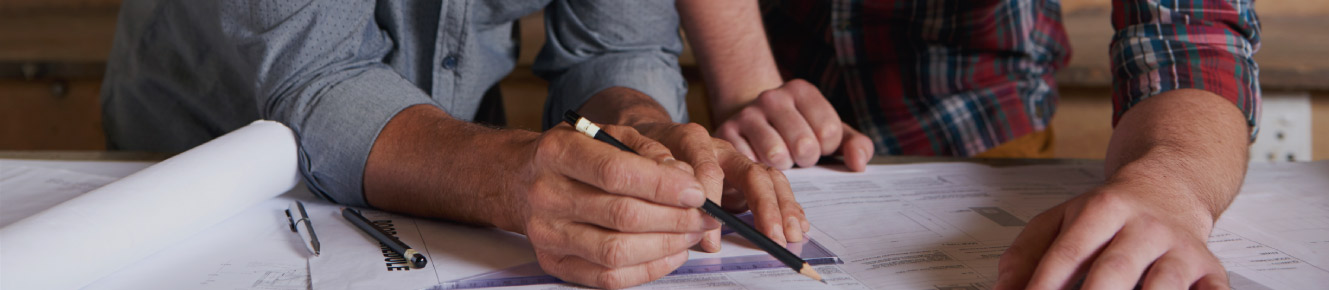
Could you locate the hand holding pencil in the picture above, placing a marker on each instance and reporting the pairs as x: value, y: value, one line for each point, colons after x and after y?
x: 766, y: 244
x: 593, y: 213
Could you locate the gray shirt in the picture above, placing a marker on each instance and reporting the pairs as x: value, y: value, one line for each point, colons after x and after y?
x: 335, y: 71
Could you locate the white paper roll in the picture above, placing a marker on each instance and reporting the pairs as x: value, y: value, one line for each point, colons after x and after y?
x: 93, y: 235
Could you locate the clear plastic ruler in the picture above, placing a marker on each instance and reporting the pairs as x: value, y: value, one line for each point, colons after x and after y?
x: 531, y: 274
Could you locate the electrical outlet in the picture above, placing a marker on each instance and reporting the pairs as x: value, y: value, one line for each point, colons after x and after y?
x: 1285, y: 128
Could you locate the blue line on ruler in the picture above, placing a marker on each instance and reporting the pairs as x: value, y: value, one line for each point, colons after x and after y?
x: 815, y: 255
x: 684, y: 270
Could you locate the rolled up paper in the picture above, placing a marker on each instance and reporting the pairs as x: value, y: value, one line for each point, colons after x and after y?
x: 93, y: 235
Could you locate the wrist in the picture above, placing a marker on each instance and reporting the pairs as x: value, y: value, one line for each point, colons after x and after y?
x: 509, y: 197
x: 426, y: 163
x: 726, y: 104
x: 623, y: 106
x: 1153, y: 184
x: 1192, y: 141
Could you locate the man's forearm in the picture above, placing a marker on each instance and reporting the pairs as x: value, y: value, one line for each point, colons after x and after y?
x: 1188, y: 141
x: 731, y: 46
x: 426, y: 163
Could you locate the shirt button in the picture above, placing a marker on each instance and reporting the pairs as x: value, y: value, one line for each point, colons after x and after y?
x: 450, y: 62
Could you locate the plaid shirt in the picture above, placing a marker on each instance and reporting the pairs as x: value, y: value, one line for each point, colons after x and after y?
x: 958, y: 77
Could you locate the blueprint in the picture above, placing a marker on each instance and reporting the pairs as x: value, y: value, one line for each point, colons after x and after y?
x: 944, y: 226
x: 464, y: 257
x: 919, y: 226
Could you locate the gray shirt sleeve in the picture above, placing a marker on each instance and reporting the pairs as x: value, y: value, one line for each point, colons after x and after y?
x: 318, y: 70
x: 594, y: 45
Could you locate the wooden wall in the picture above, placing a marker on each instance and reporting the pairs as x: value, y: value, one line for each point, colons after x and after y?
x: 52, y: 55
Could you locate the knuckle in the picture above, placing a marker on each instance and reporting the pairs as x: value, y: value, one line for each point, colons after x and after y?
x: 751, y: 115
x: 1109, y: 202
x: 614, y: 253
x: 619, y: 129
x: 611, y: 280
x: 542, y: 195
x: 683, y: 223
x: 614, y: 177
x: 693, y: 129
x: 769, y: 98
x: 1168, y: 274
x: 654, y: 149
x: 722, y: 143
x: 549, y: 147
x: 1065, y: 254
x: 776, y: 100
x: 1151, y: 226
x: 622, y: 216
x: 550, y: 262
x: 710, y: 170
x: 756, y: 173
x: 830, y: 131
x: 541, y: 237
x: 790, y: 207
x: 776, y: 175
x: 727, y: 128
x: 629, y: 130
x: 1114, y: 263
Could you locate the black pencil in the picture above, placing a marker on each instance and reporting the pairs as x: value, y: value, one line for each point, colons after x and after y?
x: 414, y: 257
x: 743, y: 229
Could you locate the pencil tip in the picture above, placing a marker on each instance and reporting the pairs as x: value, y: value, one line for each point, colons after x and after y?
x: 811, y: 273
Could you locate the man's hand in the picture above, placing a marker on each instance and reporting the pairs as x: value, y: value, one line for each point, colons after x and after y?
x: 768, y: 120
x: 794, y: 124
x: 602, y: 217
x: 1175, y: 162
x: 734, y: 182
x: 716, y: 165
x: 595, y: 215
x: 1115, y: 236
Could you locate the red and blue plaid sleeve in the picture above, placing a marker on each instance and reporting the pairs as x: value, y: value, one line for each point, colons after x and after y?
x: 1163, y: 45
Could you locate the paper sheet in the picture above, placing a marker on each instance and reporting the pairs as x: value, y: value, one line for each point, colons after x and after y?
x: 944, y: 226
x: 29, y: 190
x: 758, y: 279
x: 251, y: 250
x: 116, y: 169
x: 352, y: 260
x: 87, y: 237
x: 921, y: 226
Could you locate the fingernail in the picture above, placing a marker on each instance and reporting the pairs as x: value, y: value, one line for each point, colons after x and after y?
x: 808, y: 146
x: 777, y: 235
x: 774, y: 154
x: 807, y: 226
x: 692, y: 197
x: 791, y: 231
